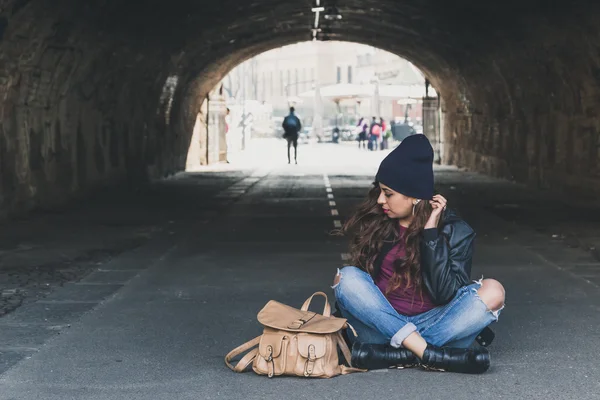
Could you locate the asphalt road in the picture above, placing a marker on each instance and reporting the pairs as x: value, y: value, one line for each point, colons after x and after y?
x: 156, y: 322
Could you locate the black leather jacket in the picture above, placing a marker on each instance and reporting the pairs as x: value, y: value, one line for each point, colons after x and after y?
x: 446, y: 255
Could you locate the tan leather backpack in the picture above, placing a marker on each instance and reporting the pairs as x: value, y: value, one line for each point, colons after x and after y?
x: 296, y: 342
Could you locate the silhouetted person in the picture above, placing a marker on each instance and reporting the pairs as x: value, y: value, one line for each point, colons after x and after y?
x: 384, y: 138
x: 291, y: 127
x: 363, y: 126
x: 374, y: 134
x: 227, y: 122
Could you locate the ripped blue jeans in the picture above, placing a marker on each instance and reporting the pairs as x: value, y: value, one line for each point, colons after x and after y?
x: 455, y: 324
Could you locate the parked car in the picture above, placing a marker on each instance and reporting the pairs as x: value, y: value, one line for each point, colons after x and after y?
x: 402, y: 131
x: 348, y: 133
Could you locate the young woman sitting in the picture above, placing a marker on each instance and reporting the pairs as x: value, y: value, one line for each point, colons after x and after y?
x: 409, y: 294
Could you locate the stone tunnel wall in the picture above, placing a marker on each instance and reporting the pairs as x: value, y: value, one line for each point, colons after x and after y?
x: 529, y: 108
x: 79, y: 109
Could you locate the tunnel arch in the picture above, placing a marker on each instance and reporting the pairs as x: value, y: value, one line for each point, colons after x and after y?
x: 81, y: 83
x: 213, y: 74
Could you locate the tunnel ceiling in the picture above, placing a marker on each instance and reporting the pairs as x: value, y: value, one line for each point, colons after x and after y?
x: 434, y: 34
x: 83, y: 82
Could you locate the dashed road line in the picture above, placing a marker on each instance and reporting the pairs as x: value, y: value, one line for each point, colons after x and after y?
x: 334, y: 212
x: 332, y: 204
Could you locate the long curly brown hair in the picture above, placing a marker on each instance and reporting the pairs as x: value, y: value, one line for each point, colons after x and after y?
x: 369, y: 228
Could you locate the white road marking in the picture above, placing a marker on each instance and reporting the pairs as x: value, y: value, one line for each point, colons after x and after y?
x: 334, y: 212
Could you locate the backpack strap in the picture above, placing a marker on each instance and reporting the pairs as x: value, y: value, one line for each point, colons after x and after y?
x: 341, y: 343
x: 326, y: 309
x: 247, y: 359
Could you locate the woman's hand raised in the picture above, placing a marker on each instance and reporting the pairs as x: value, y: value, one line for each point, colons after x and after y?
x: 438, y: 203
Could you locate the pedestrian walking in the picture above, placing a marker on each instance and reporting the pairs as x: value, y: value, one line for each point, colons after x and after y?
x: 291, y: 127
x: 383, y: 143
x: 409, y: 295
x: 363, y: 127
x: 374, y: 134
x: 227, y: 136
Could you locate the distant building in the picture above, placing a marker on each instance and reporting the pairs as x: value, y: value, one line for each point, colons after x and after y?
x: 278, y: 76
x: 389, y: 69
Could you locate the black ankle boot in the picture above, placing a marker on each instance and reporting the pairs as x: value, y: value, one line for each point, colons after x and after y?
x: 381, y: 356
x: 468, y: 361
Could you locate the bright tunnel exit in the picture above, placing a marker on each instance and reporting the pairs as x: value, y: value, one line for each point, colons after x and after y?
x: 343, y: 93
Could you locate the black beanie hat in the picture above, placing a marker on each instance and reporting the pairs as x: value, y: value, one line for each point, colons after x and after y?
x: 408, y: 169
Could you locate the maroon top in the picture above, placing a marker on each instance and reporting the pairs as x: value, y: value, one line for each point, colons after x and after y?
x: 404, y: 300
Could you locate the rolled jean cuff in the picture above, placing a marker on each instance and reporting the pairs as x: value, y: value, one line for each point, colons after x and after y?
x: 402, y: 334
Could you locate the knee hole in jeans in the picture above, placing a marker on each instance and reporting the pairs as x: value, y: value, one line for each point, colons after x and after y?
x: 492, y: 294
x: 347, y: 274
x: 337, y: 279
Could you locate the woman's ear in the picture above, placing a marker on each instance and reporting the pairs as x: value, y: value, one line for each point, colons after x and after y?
x: 416, y: 201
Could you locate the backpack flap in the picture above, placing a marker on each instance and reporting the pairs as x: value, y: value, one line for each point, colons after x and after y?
x: 280, y: 316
